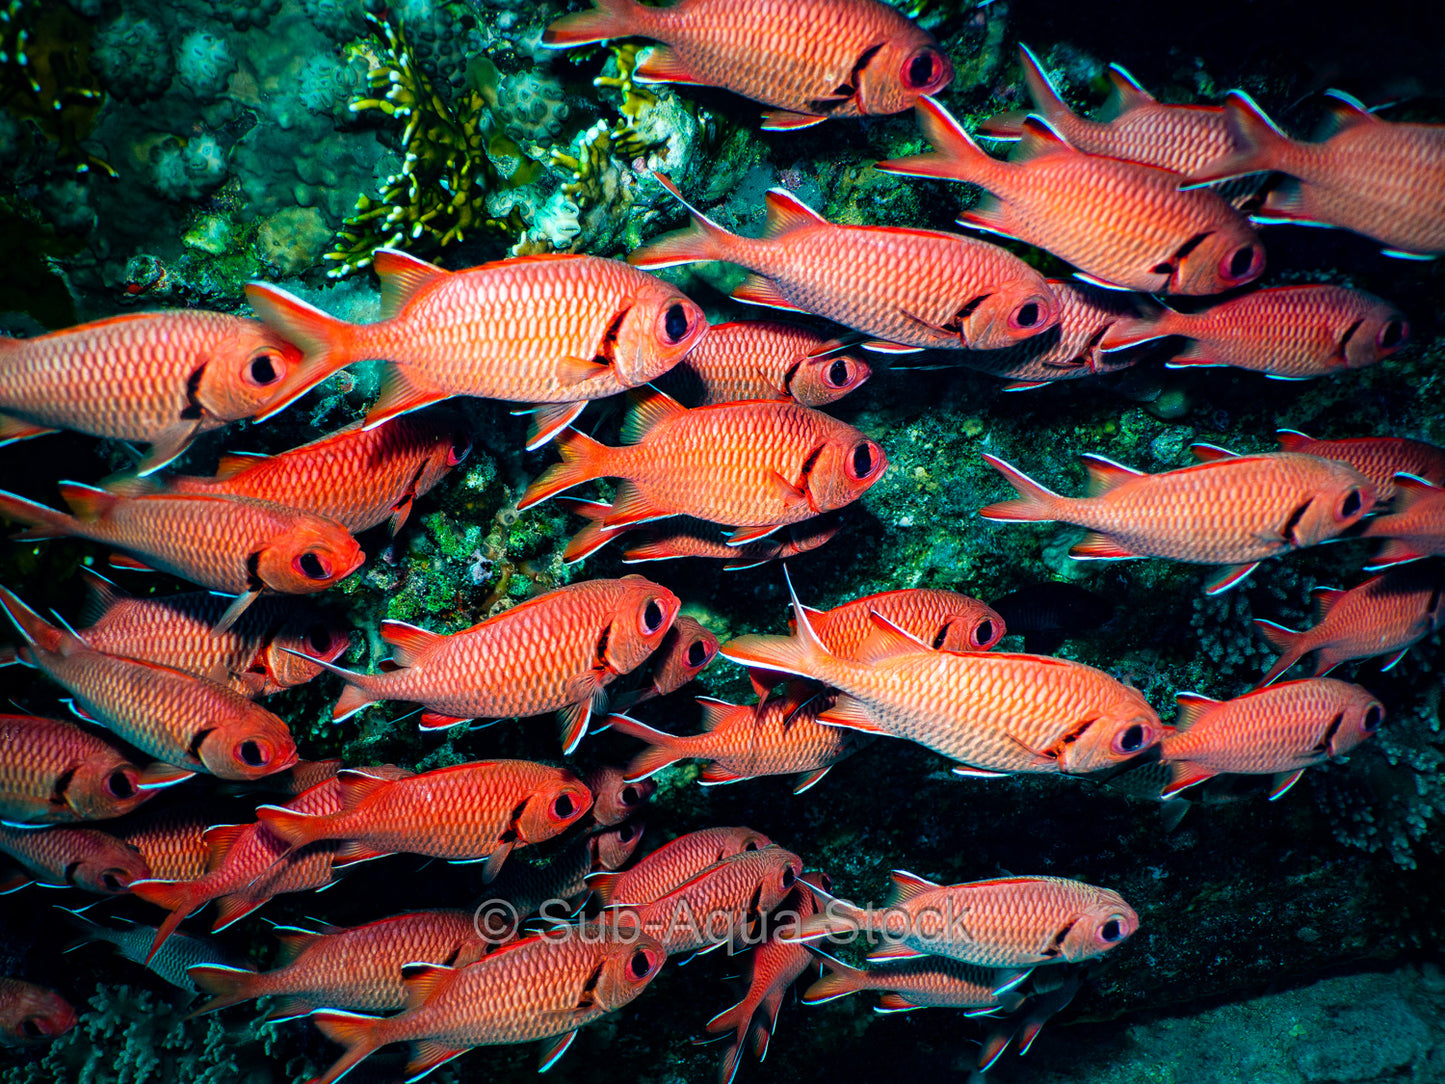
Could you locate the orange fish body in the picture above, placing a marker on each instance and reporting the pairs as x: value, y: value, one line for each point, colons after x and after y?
x: 228, y: 544
x: 357, y: 477
x: 922, y: 982
x: 53, y: 772
x: 764, y: 359
x: 1072, y: 348
x: 673, y: 864
x: 1010, y: 922
x: 1288, y: 332
x: 543, y: 987
x: 1230, y: 510
x: 357, y: 968
x: 1374, y: 177
x: 614, y: 796
x: 742, y: 741
x: 1378, y: 458
x: 1386, y: 615
x: 556, y: 652
x: 811, y: 59
x: 256, y: 656
x: 994, y: 713
x: 686, y: 651
x: 159, y: 378
x: 945, y: 620
x: 1122, y: 224
x: 30, y: 1013
x: 483, y: 809
x: 1414, y: 527
x: 756, y: 466
x: 1279, y: 730
x: 182, y: 720
x: 171, y: 841
x: 66, y: 857
x: 557, y: 329
x: 1131, y: 125
x: 909, y: 289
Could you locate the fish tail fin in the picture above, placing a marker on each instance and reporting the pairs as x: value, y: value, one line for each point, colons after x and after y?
x: 1260, y: 145
x: 1286, y: 641
x: 607, y: 19
x: 37, y: 631
x: 40, y: 521
x: 179, y: 898
x: 955, y: 157
x: 703, y: 240
x: 324, y: 341
x: 582, y: 460
x: 662, y: 747
x: 799, y: 655
x: 592, y: 537
x: 1048, y: 102
x: 838, y: 980
x: 358, y: 693
x: 355, y: 1031
x: 1035, y: 502
x: 226, y: 985
x: 297, y: 829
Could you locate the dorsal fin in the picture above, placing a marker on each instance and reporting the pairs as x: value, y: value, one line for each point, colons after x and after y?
x: 1292, y: 440
x: 357, y: 786
x: 293, y: 943
x: 423, y: 980
x: 87, y: 502
x: 219, y: 840
x: 1192, y: 707
x: 1125, y: 94
x: 787, y: 212
x: 905, y: 886
x: 1039, y: 140
x: 1344, y: 111
x: 100, y: 596
x: 715, y: 713
x: 1211, y: 453
x: 233, y: 463
x: 402, y: 276
x: 649, y: 408
x: 887, y: 640
x: 1105, y: 474
x: 406, y: 641
x: 1324, y: 599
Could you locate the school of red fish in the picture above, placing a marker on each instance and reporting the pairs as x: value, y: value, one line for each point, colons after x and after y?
x: 166, y: 688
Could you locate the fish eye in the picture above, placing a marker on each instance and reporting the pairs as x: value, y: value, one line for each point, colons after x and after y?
x: 861, y: 464
x: 313, y: 566
x: 460, y: 449
x: 1112, y: 930
x: 1132, y: 739
x: 118, y: 784
x: 1392, y: 334
x: 837, y: 375
x: 31, y: 1028
x: 253, y: 754
x: 750, y: 845
x: 984, y: 633
x: 1372, y: 719
x: 318, y: 639
x: 640, y: 964
x: 790, y: 875
x: 921, y: 70
x: 563, y: 807
x: 1351, y: 504
x: 651, y: 617
x: 115, y: 880
x: 696, y: 653
x: 627, y: 833
x: 264, y: 368
x: 675, y: 323
x: 1028, y: 314
x: 630, y: 795
x: 1240, y: 264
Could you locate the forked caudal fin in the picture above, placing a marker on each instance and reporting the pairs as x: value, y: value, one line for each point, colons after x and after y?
x: 956, y: 157
x: 1035, y: 503
x: 583, y: 459
x: 1262, y: 145
x: 703, y: 240
x: 608, y: 19
x: 801, y: 654
x: 321, y: 338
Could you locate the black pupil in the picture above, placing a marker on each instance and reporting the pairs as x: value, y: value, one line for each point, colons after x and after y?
x: 1111, y: 930
x: 984, y: 632
x: 1352, y: 503
x: 564, y: 806
x: 697, y: 653
x: 1392, y: 334
x: 318, y: 639
x: 676, y: 323
x: 652, y: 616
x: 1133, y: 738
x: 1241, y: 262
x: 630, y: 795
x: 30, y: 1029
x: 1372, y: 717
x: 639, y: 964
x: 112, y: 881
x: 920, y: 71
x: 263, y: 369
x: 626, y: 834
x: 838, y: 373
x: 311, y: 565
x: 862, y: 460
x: 251, y: 754
x: 751, y: 845
x: 789, y: 876
x: 1028, y: 314
x: 461, y: 448
x: 119, y: 784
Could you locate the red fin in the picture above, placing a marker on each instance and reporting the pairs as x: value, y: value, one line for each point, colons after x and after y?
x: 1292, y: 440
x: 40, y: 522
x: 1192, y: 707
x: 1395, y: 551
x: 552, y: 1049
x: 661, y: 65
x: 422, y: 980
x: 100, y: 596
x: 850, y: 714
x: 34, y: 628
x: 1184, y: 775
x: 1106, y: 475
x: 703, y: 240
x: 121, y: 560
x: 219, y: 841
x: 402, y: 277
x: 87, y: 503
x: 591, y: 537
x: 234, y: 463
x: 1039, y: 140
x: 839, y: 980
x: 234, y: 907
x: 742, y: 536
x: 662, y: 749
x: 1286, y: 641
x: 226, y: 985
x: 14, y: 429
x: 582, y: 460
x: 894, y: 1002
x: 1229, y: 576
x: 1211, y: 453
x: 806, y: 781
x: 1125, y: 94
x: 435, y: 720
x: 1345, y: 112
x: 407, y: 641
x: 608, y: 19
x: 715, y: 775
x: 1035, y: 503
x: 783, y: 120
x: 894, y: 952
x: 906, y: 886
x: 352, y: 1030
x: 648, y: 408
x: 357, y: 786
x: 1048, y: 103
x: 549, y: 419
x: 786, y: 213
x: 630, y: 507
x: 885, y: 640
x: 1261, y: 143
x: 322, y: 339
x: 573, y: 718
x: 1095, y: 546
x: 352, y: 699
x: 293, y: 943
x: 758, y: 290
x: 956, y: 156
x: 297, y: 829
x: 1324, y: 599
x: 402, y: 391
x: 1283, y: 781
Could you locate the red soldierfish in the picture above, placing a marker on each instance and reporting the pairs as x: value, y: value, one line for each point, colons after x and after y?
x: 994, y: 713
x: 543, y: 987
x: 1131, y: 125
x: 257, y: 656
x: 158, y: 378
x: 1123, y: 225
x: 811, y: 59
x: 524, y: 889
x: 1380, y: 179
x: 66, y: 857
x: 1414, y: 527
x: 910, y: 289
x: 1231, y: 510
x: 686, y: 651
x: 756, y: 466
x: 673, y: 864
x: 358, y: 477
x: 556, y: 652
x: 945, y: 620
x: 1286, y: 332
x: 763, y: 359
x: 1010, y: 922
x: 53, y: 772
x: 555, y: 330
x: 919, y: 983
x: 359, y: 968
x: 1280, y: 730
x: 1385, y: 615
x: 614, y: 796
x: 30, y: 1013
x: 170, y: 840
x: 230, y: 544
x: 483, y: 809
x: 182, y: 720
x: 1378, y: 458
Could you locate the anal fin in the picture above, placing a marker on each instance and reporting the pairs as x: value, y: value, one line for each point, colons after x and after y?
x: 757, y: 290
